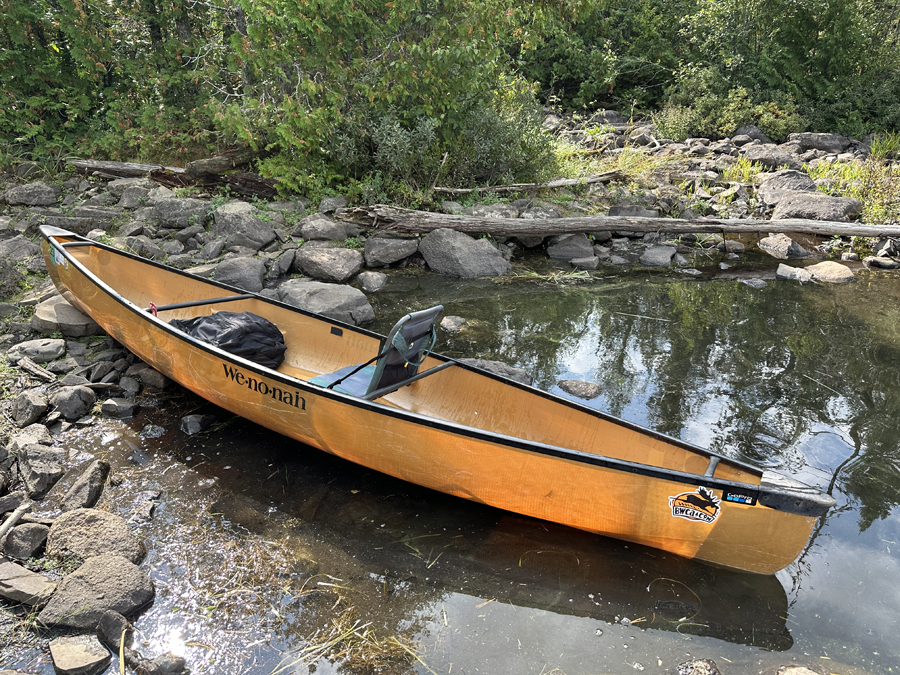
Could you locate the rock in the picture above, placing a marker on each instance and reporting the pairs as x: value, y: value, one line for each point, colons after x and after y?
x: 102, y: 583
x: 658, y: 256
x: 18, y: 248
x: 796, y: 670
x: 450, y: 207
x: 244, y: 272
x: 328, y: 264
x: 769, y: 156
x: 332, y: 300
x: 39, y: 351
x: 384, y: 251
x: 179, y: 213
x: 833, y: 144
x: 143, y: 246
x: 87, y: 488
x: 112, y: 628
x: 148, y: 376
x: 730, y: 246
x: 754, y: 283
x: 119, y: 186
x: 118, y: 408
x: 817, y: 206
x: 73, y: 402
x: 238, y: 223
x: 591, y: 263
x: 371, y: 281
x: 169, y: 663
x: 502, y: 369
x: 782, y: 247
x: 28, y: 407
x: 133, y: 197
x: 89, y: 532
x: 698, y: 667
x: 792, y: 273
x: 541, y: 212
x: 332, y: 204
x: 317, y: 226
x: 831, y: 272
x: 492, y: 211
x: 38, y: 193
x: 787, y: 180
x: 570, y: 247
x: 195, y: 424
x: 28, y: 169
x: 881, y: 263
x: 753, y: 132
x: 79, y: 655
x: 34, y: 434
x: 633, y: 210
x: 21, y: 585
x: 454, y: 253
x: 579, y: 388
x: 452, y: 324
x: 25, y: 540
x: 12, y: 501
x: 56, y: 315
x: 41, y: 467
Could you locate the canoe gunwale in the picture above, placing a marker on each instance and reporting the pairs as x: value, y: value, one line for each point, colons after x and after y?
x: 791, y: 498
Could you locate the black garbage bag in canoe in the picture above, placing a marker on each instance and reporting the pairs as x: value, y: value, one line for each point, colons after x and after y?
x: 241, y: 333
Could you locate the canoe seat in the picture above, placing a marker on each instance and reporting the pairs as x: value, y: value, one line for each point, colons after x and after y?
x: 407, y: 346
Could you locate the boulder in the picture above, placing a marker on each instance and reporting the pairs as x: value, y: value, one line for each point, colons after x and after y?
x: 792, y: 273
x: 769, y: 156
x: 12, y: 501
x: 41, y: 467
x: 38, y: 193
x: 39, y: 351
x: 454, y: 253
x: 881, y: 262
x: 787, y: 180
x: 633, y: 210
x: 244, y: 272
x: 541, y: 212
x: 34, y: 434
x: 332, y: 204
x: 318, y: 226
x: 658, y: 256
x: 89, y: 532
x: 371, y: 281
x: 384, y: 251
x: 831, y: 272
x: 570, y: 247
x: 144, y: 246
x: 589, y: 263
x: 22, y: 585
x: 782, y: 247
x: 25, y: 540
x: 452, y: 324
x: 73, y: 403
x: 332, y: 300
x: 148, y: 376
x: 579, y: 388
x: 817, y: 206
x: 180, y: 213
x: 502, y: 369
x: 833, y: 144
x: 28, y: 407
x: 337, y: 265
x: 753, y: 132
x: 17, y: 248
x: 120, y: 186
x: 79, y: 655
x: 56, y: 315
x: 87, y: 488
x: 101, y: 584
x: 492, y: 211
x: 240, y: 225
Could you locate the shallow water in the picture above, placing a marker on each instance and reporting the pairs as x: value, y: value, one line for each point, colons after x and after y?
x: 262, y: 547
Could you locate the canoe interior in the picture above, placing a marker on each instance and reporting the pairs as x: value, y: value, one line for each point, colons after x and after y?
x: 457, y: 394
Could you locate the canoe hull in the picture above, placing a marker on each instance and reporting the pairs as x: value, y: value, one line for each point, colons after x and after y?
x: 669, y: 510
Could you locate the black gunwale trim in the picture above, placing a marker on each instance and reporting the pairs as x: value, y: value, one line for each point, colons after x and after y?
x: 48, y: 233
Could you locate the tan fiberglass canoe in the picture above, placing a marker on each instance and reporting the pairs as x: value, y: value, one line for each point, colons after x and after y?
x: 451, y: 427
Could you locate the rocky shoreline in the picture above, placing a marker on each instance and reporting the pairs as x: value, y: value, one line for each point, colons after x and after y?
x: 63, y: 370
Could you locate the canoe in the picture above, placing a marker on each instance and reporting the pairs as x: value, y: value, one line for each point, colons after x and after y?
x: 443, y: 424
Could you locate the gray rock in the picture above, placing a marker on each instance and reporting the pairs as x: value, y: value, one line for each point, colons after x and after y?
x: 502, y: 369
x: 159, y: 193
x: 332, y: 204
x: 118, y: 408
x: 112, y: 628
x: 328, y: 264
x: 244, y: 272
x: 332, y: 300
x: 753, y: 283
x: 590, y: 263
x: 73, y: 402
x: 148, y: 376
x: 28, y: 407
x: 180, y: 213
x: 88, y: 532
x: 119, y: 186
x: 28, y: 170
x: 831, y: 272
x: 792, y: 273
x: 21, y: 585
x: 195, y: 424
x: 18, y: 248
x: 102, y: 583
x: 730, y: 246
x: 452, y: 324
x: 12, y: 501
x: 450, y: 207
x: 541, y: 212
x: 881, y: 262
x: 35, y: 434
x: 753, y: 132
x: 238, y: 223
x: 40, y: 467
x: 771, y: 157
x: 833, y: 144
x: 492, y: 211
x: 133, y: 197
x: 79, y: 655
x: 317, y: 226
x: 782, y: 247
x: 698, y: 667
x: 570, y: 247
x: 58, y: 316
x: 787, y: 180
x: 372, y: 281
x: 658, y: 256
x: 579, y: 388
x: 87, y: 488
x: 173, y: 248
x: 39, y: 351
x: 817, y: 206
x: 633, y: 210
x: 25, y: 540
x: 449, y: 252
x: 38, y: 193
x: 384, y: 251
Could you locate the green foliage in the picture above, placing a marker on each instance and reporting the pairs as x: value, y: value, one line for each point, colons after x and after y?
x: 742, y: 171
x: 876, y: 182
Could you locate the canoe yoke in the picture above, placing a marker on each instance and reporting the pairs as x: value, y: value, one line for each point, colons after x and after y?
x: 407, y: 346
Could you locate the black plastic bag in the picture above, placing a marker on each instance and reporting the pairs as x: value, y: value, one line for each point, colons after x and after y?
x: 241, y: 333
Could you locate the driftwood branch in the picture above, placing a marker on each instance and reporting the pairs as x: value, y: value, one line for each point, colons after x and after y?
x: 525, y: 187
x: 15, y: 517
x: 389, y: 219
x: 31, y: 367
x: 222, y: 163
x: 121, y: 169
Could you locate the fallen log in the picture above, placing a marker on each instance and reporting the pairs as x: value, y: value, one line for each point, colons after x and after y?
x: 222, y: 163
x: 526, y: 187
x: 390, y: 219
x: 120, y: 169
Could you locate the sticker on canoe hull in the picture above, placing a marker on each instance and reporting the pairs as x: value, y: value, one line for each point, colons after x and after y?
x: 701, y: 506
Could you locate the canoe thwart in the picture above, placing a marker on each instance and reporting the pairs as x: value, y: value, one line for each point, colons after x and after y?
x: 425, y: 373
x: 713, y: 463
x: 200, y: 303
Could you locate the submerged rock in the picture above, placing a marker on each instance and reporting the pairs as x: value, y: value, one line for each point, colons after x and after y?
x: 831, y: 272
x: 89, y: 532
x: 500, y: 368
x: 580, y: 388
